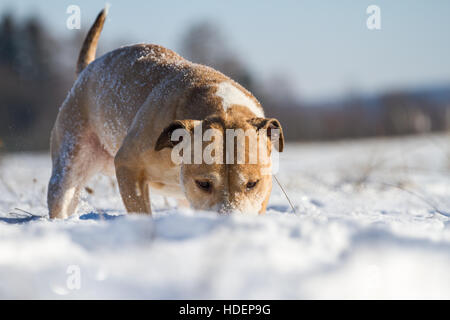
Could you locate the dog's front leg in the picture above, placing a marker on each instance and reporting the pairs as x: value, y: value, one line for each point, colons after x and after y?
x: 133, y: 187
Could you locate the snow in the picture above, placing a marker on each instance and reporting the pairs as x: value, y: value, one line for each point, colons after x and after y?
x: 371, y: 221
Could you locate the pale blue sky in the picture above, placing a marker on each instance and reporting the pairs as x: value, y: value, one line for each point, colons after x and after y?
x: 323, y: 46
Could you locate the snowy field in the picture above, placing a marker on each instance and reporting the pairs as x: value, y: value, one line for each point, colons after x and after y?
x: 371, y: 221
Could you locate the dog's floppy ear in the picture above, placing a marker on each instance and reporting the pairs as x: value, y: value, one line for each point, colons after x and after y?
x: 165, y: 141
x: 273, y: 130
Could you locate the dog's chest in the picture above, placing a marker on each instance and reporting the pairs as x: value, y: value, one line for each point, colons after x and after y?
x: 168, y: 190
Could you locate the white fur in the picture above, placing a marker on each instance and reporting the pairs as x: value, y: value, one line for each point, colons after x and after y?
x: 67, y: 199
x: 107, y: 6
x: 231, y: 95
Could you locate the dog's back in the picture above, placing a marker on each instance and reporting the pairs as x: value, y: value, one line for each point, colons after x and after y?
x: 112, y: 102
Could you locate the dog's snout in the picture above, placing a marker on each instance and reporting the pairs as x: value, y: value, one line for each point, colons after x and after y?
x: 225, y: 208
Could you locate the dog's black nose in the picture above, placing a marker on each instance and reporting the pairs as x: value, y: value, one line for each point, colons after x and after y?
x: 225, y: 209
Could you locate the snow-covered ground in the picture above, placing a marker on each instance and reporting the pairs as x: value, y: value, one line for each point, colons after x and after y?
x: 372, y: 221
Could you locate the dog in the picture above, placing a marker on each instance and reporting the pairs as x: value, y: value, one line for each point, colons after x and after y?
x: 119, y: 118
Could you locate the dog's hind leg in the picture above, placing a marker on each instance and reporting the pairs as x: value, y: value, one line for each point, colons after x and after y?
x: 74, y: 162
x: 76, y: 155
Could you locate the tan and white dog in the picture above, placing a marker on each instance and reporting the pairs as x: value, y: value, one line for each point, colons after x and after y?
x: 119, y: 117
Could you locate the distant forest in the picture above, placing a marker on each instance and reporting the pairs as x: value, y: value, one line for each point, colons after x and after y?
x: 35, y: 76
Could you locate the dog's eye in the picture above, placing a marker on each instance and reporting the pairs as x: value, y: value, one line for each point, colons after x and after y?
x: 204, y: 185
x: 251, y: 184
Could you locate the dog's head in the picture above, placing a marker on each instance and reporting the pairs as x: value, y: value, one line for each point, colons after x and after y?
x: 226, y: 165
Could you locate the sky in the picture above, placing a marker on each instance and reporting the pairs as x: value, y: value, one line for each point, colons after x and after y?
x: 324, y: 47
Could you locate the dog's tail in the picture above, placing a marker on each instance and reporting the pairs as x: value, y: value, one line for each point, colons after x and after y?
x: 87, y: 53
